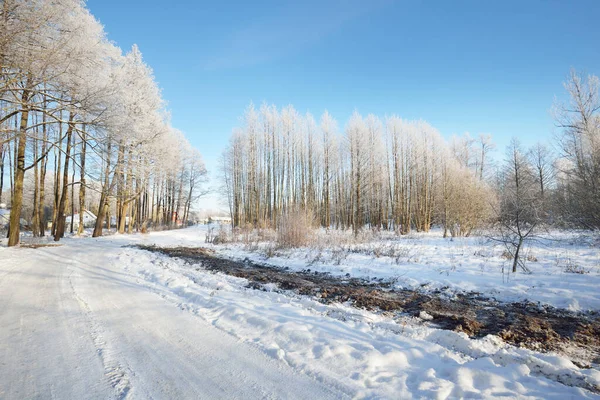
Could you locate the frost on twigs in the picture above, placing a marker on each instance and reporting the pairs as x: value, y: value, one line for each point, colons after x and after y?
x: 295, y: 229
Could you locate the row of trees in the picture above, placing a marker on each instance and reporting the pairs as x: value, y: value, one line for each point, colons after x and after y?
x: 578, y: 172
x: 541, y: 187
x: 77, y: 114
x: 391, y: 174
x: 402, y: 175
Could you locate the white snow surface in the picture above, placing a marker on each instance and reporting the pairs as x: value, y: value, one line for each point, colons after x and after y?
x: 565, y: 266
x: 95, y: 319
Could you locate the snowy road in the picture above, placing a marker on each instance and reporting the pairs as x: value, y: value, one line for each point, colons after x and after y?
x: 72, y: 326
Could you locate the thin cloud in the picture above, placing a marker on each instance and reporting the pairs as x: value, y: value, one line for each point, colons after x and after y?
x: 287, y: 31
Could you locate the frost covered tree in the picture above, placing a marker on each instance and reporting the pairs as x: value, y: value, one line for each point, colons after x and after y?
x: 380, y: 175
x: 357, y: 142
x: 45, y: 74
x: 465, y: 202
x: 520, y: 208
x: 579, y: 141
x: 71, y: 106
x: 329, y: 164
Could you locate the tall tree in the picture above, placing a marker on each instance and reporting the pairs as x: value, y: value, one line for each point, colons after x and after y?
x: 579, y: 120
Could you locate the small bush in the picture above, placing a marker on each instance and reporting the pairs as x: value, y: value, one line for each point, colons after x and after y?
x: 246, y: 231
x: 221, y: 237
x: 270, y: 251
x: 506, y: 255
x: 295, y: 229
x: 404, y: 254
x: 565, y: 263
x: 483, y: 253
x: 380, y: 250
x: 251, y: 246
x: 531, y: 258
x: 266, y: 235
x: 338, y: 255
x: 571, y: 268
x: 575, y: 269
x: 316, y: 258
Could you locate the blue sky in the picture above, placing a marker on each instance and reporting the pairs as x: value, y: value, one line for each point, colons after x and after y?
x: 476, y: 66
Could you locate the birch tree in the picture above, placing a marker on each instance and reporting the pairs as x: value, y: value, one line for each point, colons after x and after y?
x: 579, y: 120
x: 70, y: 102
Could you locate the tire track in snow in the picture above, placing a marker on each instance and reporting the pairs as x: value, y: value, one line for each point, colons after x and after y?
x: 116, y: 374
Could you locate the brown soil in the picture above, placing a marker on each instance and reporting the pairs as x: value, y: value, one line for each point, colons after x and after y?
x: 38, y: 245
x: 530, y: 325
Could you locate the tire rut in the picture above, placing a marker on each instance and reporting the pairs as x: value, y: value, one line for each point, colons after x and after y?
x: 116, y: 374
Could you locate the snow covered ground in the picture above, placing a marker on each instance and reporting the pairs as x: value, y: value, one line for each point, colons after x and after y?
x: 565, y: 267
x: 95, y: 319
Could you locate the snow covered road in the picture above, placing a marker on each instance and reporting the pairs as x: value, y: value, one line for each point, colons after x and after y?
x: 96, y: 318
x: 74, y: 327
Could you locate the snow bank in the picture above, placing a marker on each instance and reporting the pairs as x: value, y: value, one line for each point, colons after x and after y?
x: 366, y: 354
x: 431, y: 262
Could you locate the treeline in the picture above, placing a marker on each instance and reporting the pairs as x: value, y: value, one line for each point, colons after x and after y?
x: 391, y: 174
x: 78, y: 121
x: 402, y: 175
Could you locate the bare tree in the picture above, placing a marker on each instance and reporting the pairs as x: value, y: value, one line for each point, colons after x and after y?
x: 579, y: 120
x: 520, y: 204
x: 385, y: 176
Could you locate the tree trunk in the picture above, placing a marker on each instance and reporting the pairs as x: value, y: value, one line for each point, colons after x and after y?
x: 57, y: 162
x: 82, y: 184
x: 17, y: 200
x: 43, y: 167
x: 103, y: 205
x: 35, y: 222
x: 2, y: 153
x: 516, y: 259
x: 62, y: 205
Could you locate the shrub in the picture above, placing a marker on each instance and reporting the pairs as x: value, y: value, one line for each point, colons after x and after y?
x: 295, y: 228
x: 575, y: 269
x: 568, y: 266
x: 221, y: 237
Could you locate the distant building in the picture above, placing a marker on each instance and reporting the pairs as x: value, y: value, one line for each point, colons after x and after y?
x: 89, y: 220
x: 216, y: 220
x: 5, y: 219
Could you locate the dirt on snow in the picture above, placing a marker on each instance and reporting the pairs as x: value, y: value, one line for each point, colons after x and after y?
x: 530, y: 325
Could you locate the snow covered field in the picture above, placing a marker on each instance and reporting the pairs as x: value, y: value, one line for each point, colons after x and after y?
x: 95, y: 319
x: 565, y: 267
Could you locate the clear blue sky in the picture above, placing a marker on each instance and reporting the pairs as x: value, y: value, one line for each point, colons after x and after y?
x: 476, y: 66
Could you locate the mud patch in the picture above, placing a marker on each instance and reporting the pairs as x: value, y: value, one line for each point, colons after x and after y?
x: 530, y: 325
x: 38, y: 245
